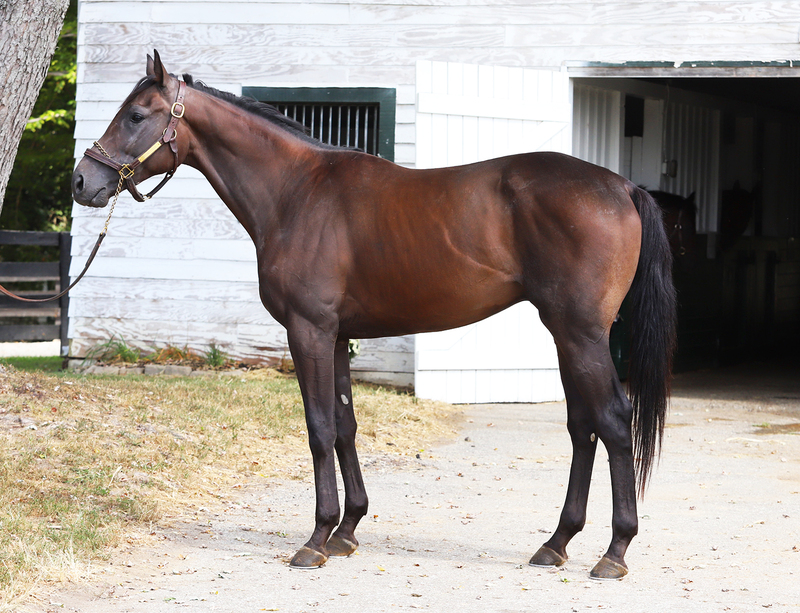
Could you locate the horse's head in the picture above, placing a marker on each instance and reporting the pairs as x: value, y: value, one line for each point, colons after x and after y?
x: 680, y: 221
x: 140, y: 142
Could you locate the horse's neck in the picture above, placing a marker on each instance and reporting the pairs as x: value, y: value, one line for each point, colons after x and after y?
x: 248, y: 168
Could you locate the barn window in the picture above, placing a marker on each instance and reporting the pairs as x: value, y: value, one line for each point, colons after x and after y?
x: 360, y: 117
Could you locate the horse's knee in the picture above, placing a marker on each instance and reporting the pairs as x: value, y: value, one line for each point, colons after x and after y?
x: 321, y: 443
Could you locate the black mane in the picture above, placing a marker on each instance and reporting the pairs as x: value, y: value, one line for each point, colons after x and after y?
x: 251, y: 105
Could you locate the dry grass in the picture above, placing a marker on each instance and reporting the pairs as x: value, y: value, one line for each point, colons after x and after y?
x: 88, y: 462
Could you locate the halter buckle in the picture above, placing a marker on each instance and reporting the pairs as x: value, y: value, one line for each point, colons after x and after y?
x: 126, y: 172
x: 174, y: 113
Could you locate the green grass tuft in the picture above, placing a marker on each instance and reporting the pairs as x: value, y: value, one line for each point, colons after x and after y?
x: 32, y: 364
x: 215, y: 357
x: 114, y: 351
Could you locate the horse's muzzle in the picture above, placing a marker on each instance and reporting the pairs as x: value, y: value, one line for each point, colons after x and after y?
x: 91, y: 184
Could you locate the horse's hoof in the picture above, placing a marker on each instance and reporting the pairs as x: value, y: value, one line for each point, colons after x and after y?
x: 547, y: 557
x: 340, y: 547
x: 308, y: 558
x: 608, y: 570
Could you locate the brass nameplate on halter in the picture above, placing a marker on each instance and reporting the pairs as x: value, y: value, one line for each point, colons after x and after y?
x: 149, y: 152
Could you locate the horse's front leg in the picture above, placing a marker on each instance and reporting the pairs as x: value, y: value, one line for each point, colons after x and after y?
x: 312, y: 351
x: 344, y: 542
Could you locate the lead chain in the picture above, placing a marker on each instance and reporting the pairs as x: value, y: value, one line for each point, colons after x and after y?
x: 113, y: 204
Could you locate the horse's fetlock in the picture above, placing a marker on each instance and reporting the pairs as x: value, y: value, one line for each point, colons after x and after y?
x: 356, y: 510
x: 570, y: 527
x: 572, y: 521
x: 329, y: 519
x: 626, y: 529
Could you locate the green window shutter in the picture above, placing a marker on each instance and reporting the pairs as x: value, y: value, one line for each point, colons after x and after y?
x: 360, y: 117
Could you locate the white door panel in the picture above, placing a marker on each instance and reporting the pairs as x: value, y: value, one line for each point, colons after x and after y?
x: 468, y: 113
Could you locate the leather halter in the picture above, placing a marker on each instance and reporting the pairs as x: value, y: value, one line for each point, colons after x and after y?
x: 167, y: 138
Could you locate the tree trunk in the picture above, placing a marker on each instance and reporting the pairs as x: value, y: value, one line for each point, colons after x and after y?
x: 29, y: 31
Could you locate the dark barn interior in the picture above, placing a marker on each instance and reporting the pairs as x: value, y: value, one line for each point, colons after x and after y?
x: 739, y: 287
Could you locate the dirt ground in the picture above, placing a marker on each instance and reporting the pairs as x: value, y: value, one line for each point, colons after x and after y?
x: 454, y: 529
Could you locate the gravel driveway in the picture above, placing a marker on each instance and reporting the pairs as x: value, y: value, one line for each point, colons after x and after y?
x: 454, y: 529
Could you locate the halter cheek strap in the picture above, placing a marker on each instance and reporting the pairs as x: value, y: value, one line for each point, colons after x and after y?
x: 126, y: 171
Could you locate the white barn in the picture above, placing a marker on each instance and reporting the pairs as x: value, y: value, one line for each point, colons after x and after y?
x: 681, y: 96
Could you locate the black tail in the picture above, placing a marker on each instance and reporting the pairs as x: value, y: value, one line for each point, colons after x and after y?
x: 653, y: 333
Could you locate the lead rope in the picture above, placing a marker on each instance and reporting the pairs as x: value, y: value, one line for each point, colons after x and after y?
x: 100, y: 238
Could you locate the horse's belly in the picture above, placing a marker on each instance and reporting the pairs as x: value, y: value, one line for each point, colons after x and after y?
x: 425, y: 305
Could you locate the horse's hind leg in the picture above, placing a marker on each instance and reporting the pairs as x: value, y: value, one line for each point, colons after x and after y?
x: 584, y: 445
x: 588, y: 361
x: 343, y: 542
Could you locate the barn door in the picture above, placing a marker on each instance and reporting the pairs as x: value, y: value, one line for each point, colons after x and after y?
x: 468, y: 113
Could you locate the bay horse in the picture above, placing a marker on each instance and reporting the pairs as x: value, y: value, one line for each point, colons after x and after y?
x: 353, y: 246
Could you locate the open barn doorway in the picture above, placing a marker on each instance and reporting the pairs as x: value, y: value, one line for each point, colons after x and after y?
x: 722, y: 154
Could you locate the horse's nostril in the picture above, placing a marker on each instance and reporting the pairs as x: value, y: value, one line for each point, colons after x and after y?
x: 77, y: 185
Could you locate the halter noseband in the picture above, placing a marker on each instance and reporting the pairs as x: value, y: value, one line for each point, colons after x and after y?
x: 167, y: 138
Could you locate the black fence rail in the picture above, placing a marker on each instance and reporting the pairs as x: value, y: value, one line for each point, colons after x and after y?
x: 23, y: 321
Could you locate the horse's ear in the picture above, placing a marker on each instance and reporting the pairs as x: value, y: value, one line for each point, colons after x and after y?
x: 690, y: 197
x: 151, y: 71
x: 159, y: 72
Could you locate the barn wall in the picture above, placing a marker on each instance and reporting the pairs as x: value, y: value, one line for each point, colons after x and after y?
x: 597, y: 125
x: 180, y: 269
x: 692, y: 140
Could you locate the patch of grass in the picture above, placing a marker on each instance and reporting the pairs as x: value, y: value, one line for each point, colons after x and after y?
x: 115, y: 351
x: 88, y: 463
x: 215, y: 357
x: 42, y: 364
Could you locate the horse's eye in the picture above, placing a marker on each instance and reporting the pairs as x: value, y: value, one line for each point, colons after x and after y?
x: 137, y: 118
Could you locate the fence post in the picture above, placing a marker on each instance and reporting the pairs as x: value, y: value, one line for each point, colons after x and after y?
x: 64, y: 259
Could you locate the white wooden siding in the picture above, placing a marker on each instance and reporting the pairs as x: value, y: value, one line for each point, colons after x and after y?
x: 468, y: 113
x: 597, y: 126
x: 692, y: 140
x: 643, y: 154
x: 328, y: 43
